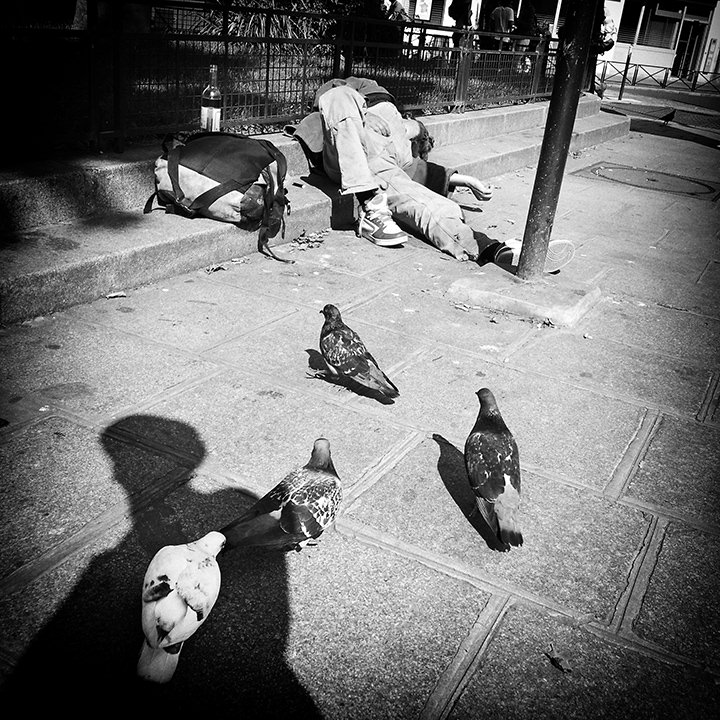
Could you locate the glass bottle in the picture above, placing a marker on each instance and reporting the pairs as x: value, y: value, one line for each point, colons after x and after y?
x: 211, y: 104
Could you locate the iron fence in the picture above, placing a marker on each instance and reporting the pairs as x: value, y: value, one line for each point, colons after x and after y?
x: 653, y: 76
x: 137, y: 69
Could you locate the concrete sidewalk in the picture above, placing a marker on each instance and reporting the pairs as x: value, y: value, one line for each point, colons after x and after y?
x: 154, y: 417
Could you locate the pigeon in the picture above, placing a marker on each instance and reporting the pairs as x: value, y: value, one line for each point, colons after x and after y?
x: 493, y: 468
x: 296, y: 511
x: 667, y: 117
x: 180, y: 588
x: 347, y: 357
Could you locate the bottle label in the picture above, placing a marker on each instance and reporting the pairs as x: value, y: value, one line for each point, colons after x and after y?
x: 210, y: 119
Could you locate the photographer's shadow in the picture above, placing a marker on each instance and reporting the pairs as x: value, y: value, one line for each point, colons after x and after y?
x: 234, y: 662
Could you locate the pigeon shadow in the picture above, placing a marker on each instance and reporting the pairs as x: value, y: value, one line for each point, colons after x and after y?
x: 91, y: 641
x: 320, y: 371
x: 451, y: 468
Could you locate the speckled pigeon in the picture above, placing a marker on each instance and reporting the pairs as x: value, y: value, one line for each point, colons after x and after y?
x: 296, y: 511
x: 493, y: 468
x: 346, y: 355
x: 180, y: 588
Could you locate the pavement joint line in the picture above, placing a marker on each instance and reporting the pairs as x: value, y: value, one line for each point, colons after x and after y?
x: 91, y: 531
x: 140, y: 441
x: 648, y: 558
x: 632, y: 455
x: 707, y: 267
x: 365, y: 299
x: 627, y: 606
x: 169, y: 393
x: 379, y: 469
x: 257, y: 330
x: 646, y: 647
x: 449, y: 566
x: 671, y: 515
x: 15, y: 428
x: 710, y: 401
x: 599, y: 389
x: 454, y: 679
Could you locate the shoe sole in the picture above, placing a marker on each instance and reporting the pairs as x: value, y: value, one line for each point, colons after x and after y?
x: 394, y: 242
x: 559, y: 254
x: 385, y: 242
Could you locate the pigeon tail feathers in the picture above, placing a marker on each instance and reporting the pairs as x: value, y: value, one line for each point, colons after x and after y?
x: 508, y: 526
x: 487, y: 510
x: 158, y: 665
x: 511, y: 535
x: 255, y: 530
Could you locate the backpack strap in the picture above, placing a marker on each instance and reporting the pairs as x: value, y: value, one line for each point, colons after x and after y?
x: 206, y: 199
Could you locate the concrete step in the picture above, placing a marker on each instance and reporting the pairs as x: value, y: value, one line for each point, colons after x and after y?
x: 64, y: 189
x: 51, y: 266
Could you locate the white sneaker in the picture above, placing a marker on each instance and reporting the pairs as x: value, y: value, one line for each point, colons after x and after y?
x: 559, y: 254
x: 376, y: 223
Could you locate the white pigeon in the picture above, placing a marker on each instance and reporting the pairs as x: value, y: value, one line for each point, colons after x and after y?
x: 180, y: 588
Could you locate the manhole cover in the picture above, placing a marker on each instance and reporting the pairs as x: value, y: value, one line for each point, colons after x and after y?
x: 651, y: 180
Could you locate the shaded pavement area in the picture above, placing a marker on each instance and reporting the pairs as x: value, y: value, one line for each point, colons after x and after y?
x: 151, y: 418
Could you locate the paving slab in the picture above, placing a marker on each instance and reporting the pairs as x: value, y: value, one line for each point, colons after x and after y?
x: 425, y: 500
x: 680, y: 470
x: 47, y: 467
x: 235, y: 414
x: 446, y: 320
x: 90, y: 369
x: 516, y: 678
x: 662, y: 330
x: 306, y: 281
x: 680, y: 609
x: 549, y: 419
x: 301, y: 365
x: 624, y: 371
x: 190, y: 312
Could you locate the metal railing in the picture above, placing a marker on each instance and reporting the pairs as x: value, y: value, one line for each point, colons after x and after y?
x: 657, y: 77
x: 140, y: 75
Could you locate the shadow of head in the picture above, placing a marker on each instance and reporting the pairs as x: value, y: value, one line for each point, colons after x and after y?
x: 452, y: 471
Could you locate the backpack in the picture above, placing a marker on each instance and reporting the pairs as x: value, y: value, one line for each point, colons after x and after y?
x: 231, y: 178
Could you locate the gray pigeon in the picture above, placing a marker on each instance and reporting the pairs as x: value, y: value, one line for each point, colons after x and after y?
x: 493, y: 468
x: 347, y: 357
x: 296, y: 511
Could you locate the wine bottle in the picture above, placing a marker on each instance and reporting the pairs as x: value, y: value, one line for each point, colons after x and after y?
x: 211, y: 103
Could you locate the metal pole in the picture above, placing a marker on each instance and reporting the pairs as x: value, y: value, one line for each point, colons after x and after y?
x: 556, y: 19
x: 569, y: 74
x: 630, y: 51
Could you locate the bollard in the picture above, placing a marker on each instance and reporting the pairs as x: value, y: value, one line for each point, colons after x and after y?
x: 569, y: 75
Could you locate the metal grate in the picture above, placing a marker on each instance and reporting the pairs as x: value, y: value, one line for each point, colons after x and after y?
x: 651, y: 180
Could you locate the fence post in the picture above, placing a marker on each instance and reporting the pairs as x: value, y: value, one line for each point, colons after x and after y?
x: 120, y: 102
x: 462, y: 76
x: 625, y: 72
x: 338, y: 49
x: 569, y: 75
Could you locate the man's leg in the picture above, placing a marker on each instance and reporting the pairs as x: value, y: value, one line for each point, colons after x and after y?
x: 426, y: 213
x: 345, y: 161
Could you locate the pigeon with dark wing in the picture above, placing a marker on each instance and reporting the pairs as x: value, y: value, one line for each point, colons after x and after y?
x: 296, y: 511
x: 493, y: 468
x: 180, y: 588
x: 668, y: 116
x: 347, y: 357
